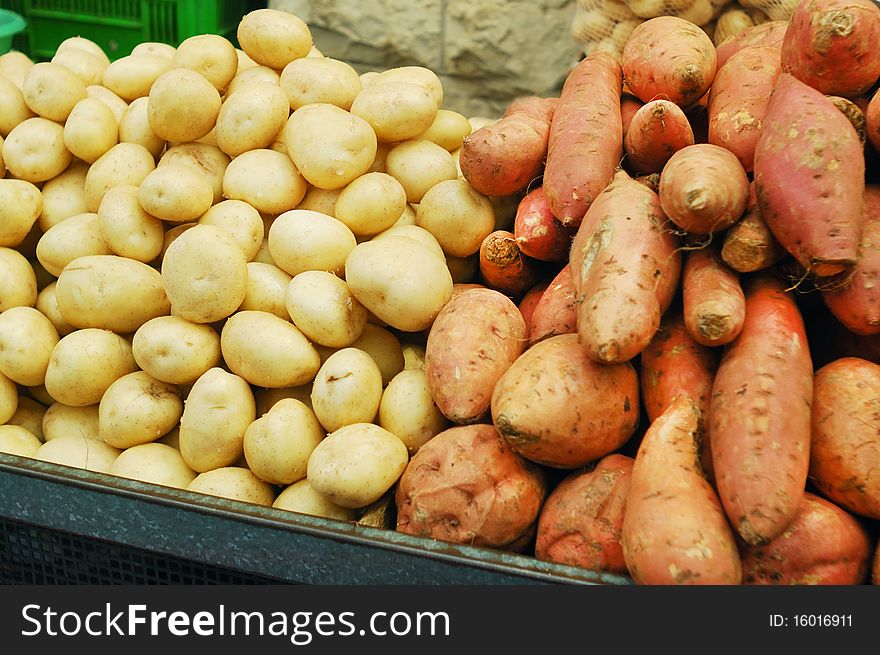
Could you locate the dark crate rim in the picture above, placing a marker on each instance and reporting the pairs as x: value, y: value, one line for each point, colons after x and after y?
x: 264, y: 541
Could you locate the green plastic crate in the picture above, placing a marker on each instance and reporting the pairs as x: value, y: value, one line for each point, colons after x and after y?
x: 11, y: 24
x: 119, y: 25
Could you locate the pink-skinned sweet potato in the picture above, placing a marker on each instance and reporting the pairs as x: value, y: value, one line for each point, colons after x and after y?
x: 769, y: 34
x: 657, y: 131
x: 714, y: 304
x: 530, y: 300
x: 556, y: 311
x: 538, y: 233
x: 749, y: 245
x: 582, y: 519
x: 872, y: 120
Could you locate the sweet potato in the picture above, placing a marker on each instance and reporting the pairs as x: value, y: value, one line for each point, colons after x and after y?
x: 473, y: 340
x: 769, y: 34
x: 503, y: 158
x: 674, y: 529
x: 503, y: 265
x: 854, y: 114
x: 658, y: 130
x: 759, y: 424
x: 872, y: 120
x: 738, y: 101
x: 595, y: 407
x: 538, y: 233
x: 671, y: 58
x: 582, y: 519
x: 823, y: 545
x: 626, y: 266
x: 749, y: 245
x: 810, y: 178
x: 704, y: 189
x: 529, y: 301
x: 857, y: 303
x: 831, y: 45
x: 875, y: 569
x: 467, y: 486
x: 845, y: 448
x: 629, y: 105
x: 714, y: 304
x: 586, y: 137
x: 556, y: 311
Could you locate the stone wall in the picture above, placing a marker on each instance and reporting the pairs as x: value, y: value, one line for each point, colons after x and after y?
x: 486, y: 52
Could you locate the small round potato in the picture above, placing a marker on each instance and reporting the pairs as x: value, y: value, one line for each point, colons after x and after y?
x: 79, y: 452
x: 18, y: 283
x: 17, y: 440
x: 175, y: 193
x: 320, y: 79
x: 27, y: 338
x: 174, y: 350
x: 371, y: 203
x: 278, y: 444
x: 417, y: 233
x: 132, y: 76
x: 254, y: 75
x: 34, y: 150
x: 47, y: 303
x: 14, y: 65
x: 205, y: 274
x: 86, y: 65
x: 355, y: 465
x: 251, y: 119
x: 183, y: 106
x: 126, y: 228
x: 20, y: 205
x: 347, y: 389
x: 82, y: 43
x: 420, y: 75
x: 136, y: 409
x: 29, y: 415
x: 330, y: 146
x: 267, y: 351
x: 448, y: 130
x: 265, y: 179
x: 134, y: 127
x: 396, y: 111
x: 116, y: 104
x: 90, y: 130
x: 8, y: 398
x: 374, y: 271
x: 459, y: 217
x: 385, y: 349
x: 302, y: 498
x: 244, y: 61
x: 110, y: 292
x: 266, y: 290
x: 234, y: 483
x: 171, y: 235
x: 274, y: 38
x: 408, y: 410
x: 62, y: 420
x: 123, y: 164
x: 320, y: 200
x: 156, y: 463
x: 203, y: 157
x: 240, y: 221
x: 323, y: 308
x: 64, y: 196
x: 51, y: 90
x: 154, y: 48
x: 304, y: 240
x: 13, y: 108
x: 84, y: 363
x: 418, y: 165
x: 74, y: 237
x: 211, y: 55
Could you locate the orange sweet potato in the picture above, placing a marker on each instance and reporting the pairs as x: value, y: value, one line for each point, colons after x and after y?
x: 556, y: 311
x: 658, y: 130
x: 714, y: 304
x: 810, y: 178
x: 538, y: 234
x: 875, y: 569
x: 674, y: 529
x: 831, y: 45
x: 872, y: 120
x: 582, y: 519
x: 626, y: 266
x: 769, y: 34
x: 504, y: 266
x: 586, y: 137
x: 670, y: 58
x: 503, y: 158
x: 749, y: 245
x: 759, y: 424
x: 473, y: 340
x: 845, y: 448
x: 529, y: 301
x: 595, y: 407
x: 823, y: 545
x: 854, y: 114
x: 629, y: 105
x: 466, y: 485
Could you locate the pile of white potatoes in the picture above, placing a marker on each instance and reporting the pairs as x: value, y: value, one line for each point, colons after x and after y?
x: 218, y: 264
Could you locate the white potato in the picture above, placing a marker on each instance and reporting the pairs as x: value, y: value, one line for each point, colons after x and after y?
x: 414, y: 74
x: 463, y: 269
x: 320, y: 79
x: 304, y: 240
x: 51, y: 90
x: 60, y: 420
x: 136, y: 409
x: 171, y: 235
x: 265, y: 179
x: 302, y: 498
x: 448, y: 130
x: 355, y: 465
x: 254, y: 75
x: 385, y: 349
x: 371, y: 203
x: 274, y: 38
x: 175, y: 350
x: 73, y: 237
x: 40, y: 394
x: 379, y: 161
x: 251, y: 119
x: 13, y: 108
x: 79, y: 452
x: 34, y: 150
x: 240, y: 221
x: 324, y: 309
x: 183, y: 106
x: 267, y: 397
x: 459, y: 217
x: 278, y: 444
x: 408, y: 410
x: 234, y: 483
x: 20, y: 205
x: 126, y: 228
x: 116, y: 104
x: 417, y: 233
x: 64, y: 196
x: 211, y: 55
x: 320, y: 200
x: 17, y: 440
x: 8, y: 398
x: 134, y: 127
x: 82, y: 43
x: 90, y: 130
x: 175, y: 193
x: 154, y: 48
x: 87, y: 66
x: 123, y: 164
x: 347, y: 389
x: 419, y: 164
x: 203, y: 157
x: 266, y: 290
x: 396, y: 110
x: 14, y: 65
x: 27, y: 338
x: 132, y: 76
x: 47, y: 303
x: 29, y: 415
x: 17, y: 280
x: 156, y: 463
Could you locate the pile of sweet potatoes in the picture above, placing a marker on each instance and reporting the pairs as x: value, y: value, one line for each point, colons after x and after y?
x: 668, y: 365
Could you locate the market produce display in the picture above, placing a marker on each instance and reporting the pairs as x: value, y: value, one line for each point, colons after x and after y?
x: 632, y: 328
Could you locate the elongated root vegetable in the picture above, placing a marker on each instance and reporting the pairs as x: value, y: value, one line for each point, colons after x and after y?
x: 674, y: 529
x: 629, y: 105
x: 538, y: 233
x: 658, y: 130
x: 749, y: 245
x: 670, y: 58
x: 626, y: 266
x: 854, y: 115
x: 872, y: 120
x: 530, y: 301
x: 832, y: 45
x: 503, y: 158
x: 857, y: 304
x: 714, y: 304
x: 810, y: 178
x: 503, y: 265
x: 759, y: 424
x: 586, y: 137
x: 738, y: 100
x: 556, y: 311
x: 704, y: 189
x: 769, y: 34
